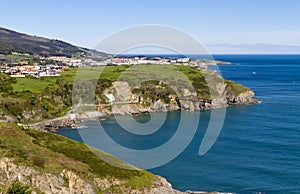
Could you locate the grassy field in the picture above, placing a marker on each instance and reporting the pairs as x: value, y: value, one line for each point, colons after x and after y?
x: 177, y: 77
x: 32, y: 84
x: 132, y: 74
x: 86, y: 73
x: 37, y: 85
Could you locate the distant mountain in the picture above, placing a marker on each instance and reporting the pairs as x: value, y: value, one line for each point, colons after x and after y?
x: 11, y: 41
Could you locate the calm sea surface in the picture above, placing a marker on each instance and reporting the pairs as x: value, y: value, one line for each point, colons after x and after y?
x: 258, y: 149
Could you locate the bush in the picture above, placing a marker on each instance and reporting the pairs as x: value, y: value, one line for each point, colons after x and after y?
x: 18, y: 188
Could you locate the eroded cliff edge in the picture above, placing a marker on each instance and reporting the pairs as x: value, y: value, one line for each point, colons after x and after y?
x: 148, y: 98
x: 127, y: 102
x: 67, y: 182
x: 119, y: 90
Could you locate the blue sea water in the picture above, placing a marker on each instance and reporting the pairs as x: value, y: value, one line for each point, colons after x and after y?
x: 258, y: 149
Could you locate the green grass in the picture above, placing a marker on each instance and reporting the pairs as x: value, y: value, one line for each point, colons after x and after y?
x: 85, y: 73
x: 37, y: 85
x: 100, y: 72
x: 236, y: 87
x: 52, y: 153
x: 16, y: 143
x: 176, y: 76
x: 32, y: 84
x: 17, y: 188
x: 51, y: 97
x: 80, y: 152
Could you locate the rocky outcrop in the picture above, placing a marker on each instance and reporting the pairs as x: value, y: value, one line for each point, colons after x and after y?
x: 127, y: 102
x: 242, y: 98
x: 68, y: 182
x: 121, y: 100
x: 161, y: 185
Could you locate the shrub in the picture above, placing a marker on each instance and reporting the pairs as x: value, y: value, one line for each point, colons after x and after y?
x: 18, y: 188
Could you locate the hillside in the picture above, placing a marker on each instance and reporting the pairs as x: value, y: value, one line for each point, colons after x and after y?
x: 29, y: 99
x: 11, y: 41
x: 43, y: 162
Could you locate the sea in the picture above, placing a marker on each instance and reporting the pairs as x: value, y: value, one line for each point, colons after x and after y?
x: 258, y: 148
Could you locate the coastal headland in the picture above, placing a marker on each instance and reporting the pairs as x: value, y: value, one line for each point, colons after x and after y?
x: 119, y: 96
x: 48, y: 84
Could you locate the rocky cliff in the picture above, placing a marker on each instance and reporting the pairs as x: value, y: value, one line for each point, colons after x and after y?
x: 193, y: 89
x: 49, y: 163
x: 127, y: 102
x: 67, y: 182
x: 226, y: 93
x: 120, y: 98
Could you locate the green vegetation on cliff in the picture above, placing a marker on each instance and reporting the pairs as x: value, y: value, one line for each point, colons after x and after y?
x: 236, y: 87
x: 26, y: 100
x: 51, y: 153
x: 30, y: 99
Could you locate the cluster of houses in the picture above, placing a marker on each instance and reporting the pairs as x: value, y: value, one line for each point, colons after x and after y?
x: 146, y: 60
x: 139, y: 60
x: 23, y: 69
x: 122, y: 60
x: 68, y: 61
x: 32, y: 70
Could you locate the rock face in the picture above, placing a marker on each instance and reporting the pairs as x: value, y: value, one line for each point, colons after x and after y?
x: 162, y: 186
x: 67, y: 182
x: 121, y: 100
x: 243, y: 98
x: 127, y: 102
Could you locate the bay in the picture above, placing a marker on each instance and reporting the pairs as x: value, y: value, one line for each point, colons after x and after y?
x: 258, y: 149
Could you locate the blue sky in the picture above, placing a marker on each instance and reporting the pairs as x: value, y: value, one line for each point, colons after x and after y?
x: 224, y: 26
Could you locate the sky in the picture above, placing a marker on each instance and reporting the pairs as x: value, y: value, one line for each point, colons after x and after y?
x: 222, y: 26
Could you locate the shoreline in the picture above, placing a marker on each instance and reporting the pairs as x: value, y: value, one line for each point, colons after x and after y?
x: 73, y: 120
x: 170, y: 189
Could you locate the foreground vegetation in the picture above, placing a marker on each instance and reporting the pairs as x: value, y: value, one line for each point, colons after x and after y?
x: 51, y: 153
